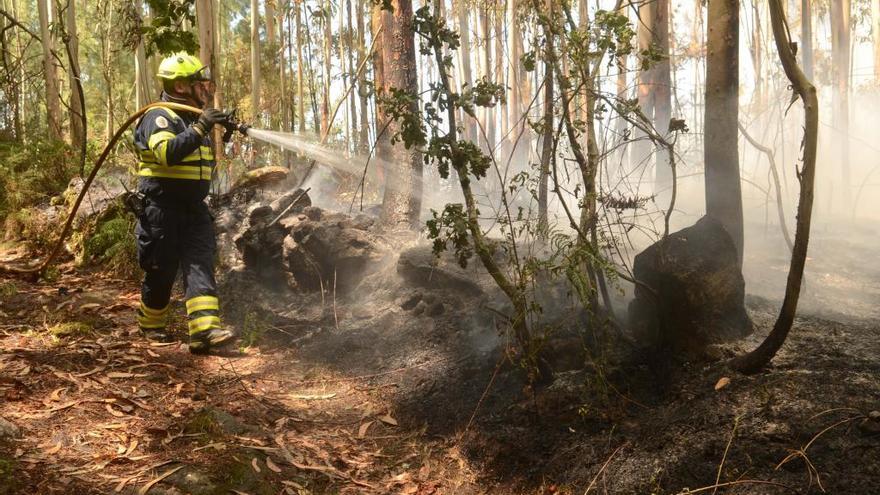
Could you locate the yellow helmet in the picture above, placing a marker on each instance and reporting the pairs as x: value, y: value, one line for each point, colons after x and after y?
x: 182, y: 65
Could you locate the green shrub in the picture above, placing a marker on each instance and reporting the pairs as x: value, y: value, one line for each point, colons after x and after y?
x: 32, y: 174
x: 111, y: 243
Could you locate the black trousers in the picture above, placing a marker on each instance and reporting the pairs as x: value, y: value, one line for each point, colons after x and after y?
x: 172, y: 237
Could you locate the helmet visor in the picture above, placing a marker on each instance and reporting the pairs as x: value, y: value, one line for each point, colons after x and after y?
x: 203, y: 74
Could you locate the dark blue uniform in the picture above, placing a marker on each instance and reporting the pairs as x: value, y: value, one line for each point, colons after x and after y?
x: 176, y: 230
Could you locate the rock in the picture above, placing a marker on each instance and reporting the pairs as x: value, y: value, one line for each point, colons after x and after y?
x: 8, y: 430
x: 419, y: 267
x: 698, y: 291
x: 325, y: 248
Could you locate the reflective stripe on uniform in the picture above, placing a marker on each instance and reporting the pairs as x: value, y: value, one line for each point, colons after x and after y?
x: 202, y: 154
x: 151, y: 318
x: 153, y: 312
x: 203, y: 323
x: 158, y: 143
x: 202, y: 303
x: 190, y: 172
x: 150, y: 322
x: 157, y: 137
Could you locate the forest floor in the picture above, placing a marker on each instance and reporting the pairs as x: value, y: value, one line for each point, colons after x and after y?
x: 406, y: 391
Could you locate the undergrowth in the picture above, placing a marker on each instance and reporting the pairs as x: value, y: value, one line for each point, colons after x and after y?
x: 32, y: 174
x: 110, y: 242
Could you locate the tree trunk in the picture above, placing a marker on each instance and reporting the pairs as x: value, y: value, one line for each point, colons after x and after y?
x: 514, y: 77
x: 641, y: 148
x: 255, y: 62
x: 498, y: 24
x: 382, y: 133
x: 721, y: 154
x: 757, y: 41
x: 284, y: 100
x: 486, y: 113
x: 401, y: 204
x: 840, y: 54
x: 761, y: 356
x: 107, y: 68
x: 77, y: 103
x: 807, y: 38
x: 875, y: 33
x: 464, y: 53
x: 208, y: 50
x: 53, y: 98
x: 546, y: 142
x: 300, y: 82
x: 270, y: 22
x: 143, y: 93
x: 364, y: 139
x: 622, y: 90
x: 291, y: 102
x: 662, y: 89
x: 328, y: 37
x: 352, y: 103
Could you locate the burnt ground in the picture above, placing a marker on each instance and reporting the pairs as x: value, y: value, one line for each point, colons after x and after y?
x: 398, y: 389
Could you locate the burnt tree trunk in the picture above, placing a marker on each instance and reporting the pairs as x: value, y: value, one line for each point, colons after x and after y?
x: 721, y: 154
x: 402, y: 200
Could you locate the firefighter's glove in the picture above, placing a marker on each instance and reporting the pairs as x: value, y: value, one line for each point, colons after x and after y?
x: 209, y: 118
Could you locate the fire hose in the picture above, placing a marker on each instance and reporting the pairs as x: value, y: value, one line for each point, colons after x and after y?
x: 34, y: 273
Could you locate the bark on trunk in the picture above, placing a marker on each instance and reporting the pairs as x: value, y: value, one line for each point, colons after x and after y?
x: 641, y: 148
x: 255, y: 62
x: 807, y: 38
x: 464, y: 53
x: 142, y: 77
x: 502, y: 110
x: 401, y: 204
x: 77, y: 103
x: 328, y: 36
x: 206, y: 11
x: 53, y: 97
x: 364, y: 139
x: 840, y: 53
x: 722, y: 180
x: 486, y: 113
x: 662, y: 88
x: 300, y: 82
x: 270, y: 22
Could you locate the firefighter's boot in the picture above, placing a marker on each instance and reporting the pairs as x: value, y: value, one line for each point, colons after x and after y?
x: 204, y: 342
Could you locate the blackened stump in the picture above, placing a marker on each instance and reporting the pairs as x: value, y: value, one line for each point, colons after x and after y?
x: 698, y: 291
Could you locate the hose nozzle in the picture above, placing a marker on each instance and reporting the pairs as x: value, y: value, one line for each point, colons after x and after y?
x: 232, y: 124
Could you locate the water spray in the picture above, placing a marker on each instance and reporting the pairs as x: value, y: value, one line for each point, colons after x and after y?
x: 232, y: 124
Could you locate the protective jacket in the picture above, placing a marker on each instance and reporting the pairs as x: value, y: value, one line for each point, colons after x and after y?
x: 176, y: 230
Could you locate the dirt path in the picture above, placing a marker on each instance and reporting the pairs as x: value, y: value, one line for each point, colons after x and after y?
x: 371, y: 397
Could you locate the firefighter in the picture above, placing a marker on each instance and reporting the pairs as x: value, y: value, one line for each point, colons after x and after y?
x: 175, y: 230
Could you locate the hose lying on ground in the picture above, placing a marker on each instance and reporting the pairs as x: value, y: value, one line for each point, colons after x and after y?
x: 34, y: 273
